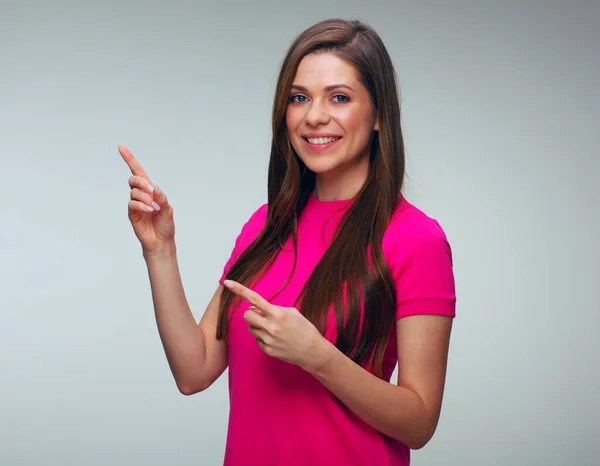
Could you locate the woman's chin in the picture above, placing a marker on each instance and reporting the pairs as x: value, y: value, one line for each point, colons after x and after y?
x: 319, y: 165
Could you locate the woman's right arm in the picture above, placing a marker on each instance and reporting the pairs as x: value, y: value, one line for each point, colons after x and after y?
x: 195, y: 356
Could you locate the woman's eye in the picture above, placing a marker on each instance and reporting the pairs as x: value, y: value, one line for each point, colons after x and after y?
x: 298, y: 98
x: 339, y: 98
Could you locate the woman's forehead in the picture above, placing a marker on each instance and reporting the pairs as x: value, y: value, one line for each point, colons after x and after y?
x: 322, y: 70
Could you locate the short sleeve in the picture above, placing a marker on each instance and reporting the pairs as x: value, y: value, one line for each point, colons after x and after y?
x: 249, y: 232
x: 420, y: 260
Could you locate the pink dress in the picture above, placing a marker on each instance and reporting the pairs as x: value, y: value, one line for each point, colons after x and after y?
x: 281, y: 415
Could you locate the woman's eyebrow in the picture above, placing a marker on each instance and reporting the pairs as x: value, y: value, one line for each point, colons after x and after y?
x: 327, y: 89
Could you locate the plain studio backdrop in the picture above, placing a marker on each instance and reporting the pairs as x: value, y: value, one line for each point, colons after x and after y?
x: 500, y: 111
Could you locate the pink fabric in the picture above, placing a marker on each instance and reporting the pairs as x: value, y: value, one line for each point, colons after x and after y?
x: 280, y: 414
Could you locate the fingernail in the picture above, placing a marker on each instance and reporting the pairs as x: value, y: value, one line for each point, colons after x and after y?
x: 227, y: 283
x: 150, y: 188
x: 155, y: 205
x: 158, y: 191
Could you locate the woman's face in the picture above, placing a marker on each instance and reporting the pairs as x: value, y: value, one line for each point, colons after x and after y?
x: 330, y: 118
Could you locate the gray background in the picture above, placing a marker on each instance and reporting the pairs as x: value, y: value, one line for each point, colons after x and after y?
x: 500, y: 109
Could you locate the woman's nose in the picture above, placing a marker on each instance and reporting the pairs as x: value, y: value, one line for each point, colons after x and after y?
x: 317, y: 114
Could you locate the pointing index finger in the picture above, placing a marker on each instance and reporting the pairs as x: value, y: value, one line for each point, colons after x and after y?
x: 132, y: 163
x: 251, y: 296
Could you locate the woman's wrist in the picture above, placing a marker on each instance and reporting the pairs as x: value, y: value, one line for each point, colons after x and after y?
x: 324, y: 353
x: 164, y: 252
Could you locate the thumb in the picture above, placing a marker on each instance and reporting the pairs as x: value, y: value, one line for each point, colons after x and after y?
x: 159, y: 196
x: 161, y: 199
x: 258, y: 311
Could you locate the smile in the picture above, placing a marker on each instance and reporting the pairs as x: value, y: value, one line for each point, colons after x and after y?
x: 322, y: 140
x: 320, y: 144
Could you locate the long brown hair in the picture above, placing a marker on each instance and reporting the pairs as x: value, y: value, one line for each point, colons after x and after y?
x: 344, y: 271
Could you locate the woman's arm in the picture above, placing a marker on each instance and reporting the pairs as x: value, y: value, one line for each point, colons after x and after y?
x: 195, y: 356
x: 409, y: 411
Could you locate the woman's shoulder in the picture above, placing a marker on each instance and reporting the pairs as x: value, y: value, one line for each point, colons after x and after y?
x: 259, y: 216
x: 410, y: 229
x: 249, y: 231
x: 255, y: 222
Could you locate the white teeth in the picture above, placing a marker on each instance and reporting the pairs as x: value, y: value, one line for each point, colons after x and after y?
x: 322, y: 140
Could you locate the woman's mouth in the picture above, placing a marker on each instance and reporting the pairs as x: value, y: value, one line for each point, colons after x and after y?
x: 320, y: 144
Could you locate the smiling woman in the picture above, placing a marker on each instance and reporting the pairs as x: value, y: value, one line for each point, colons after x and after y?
x: 330, y: 284
x: 331, y: 122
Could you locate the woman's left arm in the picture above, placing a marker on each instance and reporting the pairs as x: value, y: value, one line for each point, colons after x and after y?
x: 409, y: 411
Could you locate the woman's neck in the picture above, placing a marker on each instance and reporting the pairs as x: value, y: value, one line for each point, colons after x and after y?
x: 341, y: 185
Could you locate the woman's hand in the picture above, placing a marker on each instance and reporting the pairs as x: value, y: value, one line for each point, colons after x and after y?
x: 149, y: 211
x: 282, y: 332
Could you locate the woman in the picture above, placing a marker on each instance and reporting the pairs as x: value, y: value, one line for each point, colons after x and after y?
x: 330, y: 284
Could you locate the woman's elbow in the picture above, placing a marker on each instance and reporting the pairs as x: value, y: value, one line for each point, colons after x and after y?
x: 419, y: 439
x: 417, y: 444
x: 191, y: 387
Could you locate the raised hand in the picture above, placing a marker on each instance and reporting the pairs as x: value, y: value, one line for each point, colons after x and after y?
x: 282, y: 332
x: 149, y: 211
